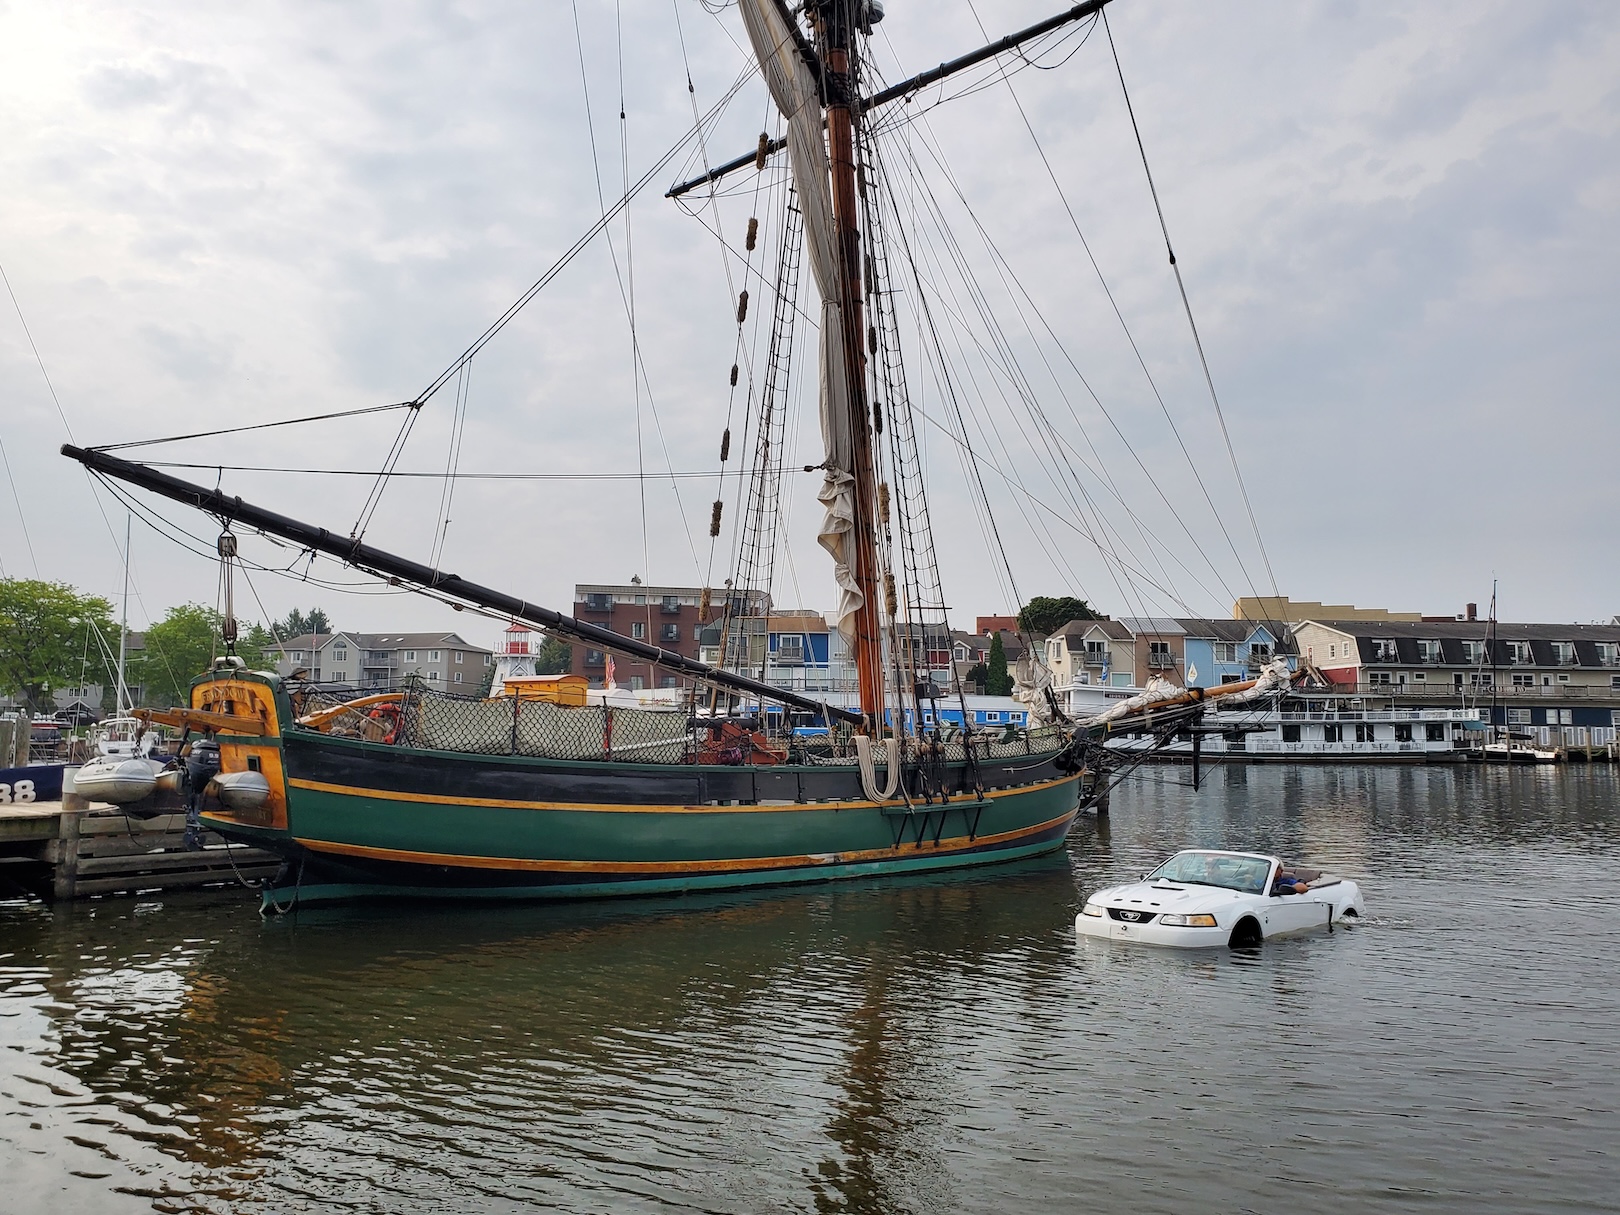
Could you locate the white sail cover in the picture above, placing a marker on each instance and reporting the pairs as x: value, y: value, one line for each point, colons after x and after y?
x: 793, y: 89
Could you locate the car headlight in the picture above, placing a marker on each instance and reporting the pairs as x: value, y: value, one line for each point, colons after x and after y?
x: 1188, y: 921
x: 1091, y: 909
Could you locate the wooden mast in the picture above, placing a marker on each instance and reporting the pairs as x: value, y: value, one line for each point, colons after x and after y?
x: 835, y: 26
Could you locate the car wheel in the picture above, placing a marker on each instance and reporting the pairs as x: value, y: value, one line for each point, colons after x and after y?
x: 1245, y: 934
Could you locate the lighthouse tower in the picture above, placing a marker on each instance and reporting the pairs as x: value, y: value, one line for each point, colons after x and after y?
x: 514, y: 656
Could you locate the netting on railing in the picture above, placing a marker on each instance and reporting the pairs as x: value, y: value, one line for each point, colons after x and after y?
x: 505, y: 726
x: 439, y: 721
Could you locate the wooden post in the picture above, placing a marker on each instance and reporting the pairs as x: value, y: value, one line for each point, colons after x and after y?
x: 66, y: 878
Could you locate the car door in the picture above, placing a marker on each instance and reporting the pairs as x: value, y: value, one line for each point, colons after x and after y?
x: 1284, y: 913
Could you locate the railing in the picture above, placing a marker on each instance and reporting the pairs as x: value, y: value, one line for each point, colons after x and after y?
x: 1163, y: 662
x: 670, y: 607
x: 1482, y: 691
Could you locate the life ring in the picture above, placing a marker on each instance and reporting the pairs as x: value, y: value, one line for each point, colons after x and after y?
x: 386, y: 717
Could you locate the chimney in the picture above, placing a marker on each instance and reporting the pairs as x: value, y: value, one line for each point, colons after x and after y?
x: 1473, y: 611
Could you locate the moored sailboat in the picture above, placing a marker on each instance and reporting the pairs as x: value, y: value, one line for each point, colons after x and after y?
x: 414, y: 793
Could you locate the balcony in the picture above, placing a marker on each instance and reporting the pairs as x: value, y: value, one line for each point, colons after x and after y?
x: 598, y: 603
x: 670, y: 606
x: 1162, y: 660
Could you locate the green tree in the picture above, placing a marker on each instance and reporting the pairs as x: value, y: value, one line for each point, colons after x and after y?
x: 487, y: 682
x: 42, y: 637
x: 978, y: 675
x: 180, y: 647
x: 556, y: 656
x: 1044, y: 614
x: 997, y: 680
x: 297, y: 623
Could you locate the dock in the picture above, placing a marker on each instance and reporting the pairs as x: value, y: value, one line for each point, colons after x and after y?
x: 66, y: 852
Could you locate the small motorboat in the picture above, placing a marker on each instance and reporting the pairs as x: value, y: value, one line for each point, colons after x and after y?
x: 1204, y: 898
x: 119, y: 781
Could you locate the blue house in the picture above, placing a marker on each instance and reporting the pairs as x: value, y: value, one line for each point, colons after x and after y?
x: 1229, y: 651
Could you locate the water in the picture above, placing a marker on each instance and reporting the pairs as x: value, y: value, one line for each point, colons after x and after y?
x: 940, y: 1045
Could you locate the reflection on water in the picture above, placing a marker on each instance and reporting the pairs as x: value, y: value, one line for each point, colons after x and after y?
x: 941, y: 1044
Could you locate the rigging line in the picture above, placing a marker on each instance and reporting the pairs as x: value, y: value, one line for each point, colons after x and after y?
x: 995, y: 439
x: 1109, y: 550
x: 639, y: 366
x: 1105, y: 476
x: 556, y: 268
x: 1186, y: 305
x: 630, y: 304
x: 1120, y: 315
x: 234, y: 430
x: 30, y: 336
x: 452, y: 462
x: 460, y: 476
x: 21, y: 518
x: 62, y: 414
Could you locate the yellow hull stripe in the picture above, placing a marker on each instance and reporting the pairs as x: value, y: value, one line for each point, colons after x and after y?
x: 497, y: 803
x: 652, y: 868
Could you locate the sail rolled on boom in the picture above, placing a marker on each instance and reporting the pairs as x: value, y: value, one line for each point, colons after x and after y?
x: 793, y: 89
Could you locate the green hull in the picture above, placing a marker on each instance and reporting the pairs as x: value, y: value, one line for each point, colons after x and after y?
x: 368, y: 819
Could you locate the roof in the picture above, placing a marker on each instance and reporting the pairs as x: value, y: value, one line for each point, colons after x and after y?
x: 1470, y: 630
x: 1161, y: 626
x: 1079, y: 628
x: 383, y: 641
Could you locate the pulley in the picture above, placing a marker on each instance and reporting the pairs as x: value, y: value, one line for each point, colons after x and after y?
x: 753, y: 233
x: 742, y: 307
x: 764, y: 150
x: 714, y: 518
x: 725, y: 446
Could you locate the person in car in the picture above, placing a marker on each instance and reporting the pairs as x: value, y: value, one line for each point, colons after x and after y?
x: 1287, y: 882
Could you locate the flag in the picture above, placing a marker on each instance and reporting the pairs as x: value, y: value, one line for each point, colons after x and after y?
x: 608, y: 681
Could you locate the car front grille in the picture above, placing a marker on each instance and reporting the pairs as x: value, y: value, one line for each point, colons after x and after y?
x: 1129, y: 916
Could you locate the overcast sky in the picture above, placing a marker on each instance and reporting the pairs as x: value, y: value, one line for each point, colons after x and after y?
x: 1396, y: 222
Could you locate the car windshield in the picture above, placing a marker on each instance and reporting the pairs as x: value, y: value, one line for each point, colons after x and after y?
x: 1245, y: 873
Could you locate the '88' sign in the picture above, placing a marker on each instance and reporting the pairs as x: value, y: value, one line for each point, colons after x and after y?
x: 22, y: 791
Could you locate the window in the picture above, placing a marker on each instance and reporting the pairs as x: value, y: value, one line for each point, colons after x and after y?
x: 1434, y: 733
x: 340, y: 653
x: 1231, y: 679
x: 641, y: 600
x: 458, y: 677
x: 595, y: 658
x: 790, y: 648
x: 460, y: 654
x: 1159, y: 655
x: 410, y: 655
x: 670, y: 632
x: 1054, y: 649
x: 1473, y: 652
x: 296, y: 656
x: 1096, y: 653
x: 637, y: 683
x: 1259, y: 652
x: 1333, y: 651
x: 488, y: 659
x: 1606, y: 651
x: 1365, y: 732
x: 1519, y: 653
x: 433, y: 677
x: 670, y: 681
x: 1524, y: 681
x: 433, y: 655
x: 1419, y: 677
x: 339, y: 676
x: 1614, y: 681
x: 1384, y: 651
x: 1429, y: 652
x: 638, y: 629
x: 1564, y: 653
x: 1482, y: 679
x: 992, y: 716
x: 1560, y: 717
x: 596, y: 601
x: 697, y: 632
x: 1518, y: 717
x: 1614, y: 717
x: 1378, y: 679
x: 1290, y: 734
x: 1332, y: 734
x: 1403, y: 732
x: 1225, y: 651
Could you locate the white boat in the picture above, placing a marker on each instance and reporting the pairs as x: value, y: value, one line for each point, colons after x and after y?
x: 1202, y: 898
x: 115, y: 780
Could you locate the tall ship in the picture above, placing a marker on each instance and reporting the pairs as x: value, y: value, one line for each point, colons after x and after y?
x: 539, y: 793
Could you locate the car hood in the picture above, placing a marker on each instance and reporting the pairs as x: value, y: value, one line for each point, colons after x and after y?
x: 1160, y: 897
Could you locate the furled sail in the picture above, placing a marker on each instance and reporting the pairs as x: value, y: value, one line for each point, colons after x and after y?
x: 793, y: 88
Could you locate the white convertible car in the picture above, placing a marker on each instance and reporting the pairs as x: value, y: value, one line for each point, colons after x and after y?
x: 1198, y: 899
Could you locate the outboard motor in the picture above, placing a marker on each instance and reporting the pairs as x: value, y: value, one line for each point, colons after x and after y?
x: 202, y: 764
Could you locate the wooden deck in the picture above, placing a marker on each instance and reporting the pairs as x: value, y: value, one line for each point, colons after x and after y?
x: 67, y: 853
